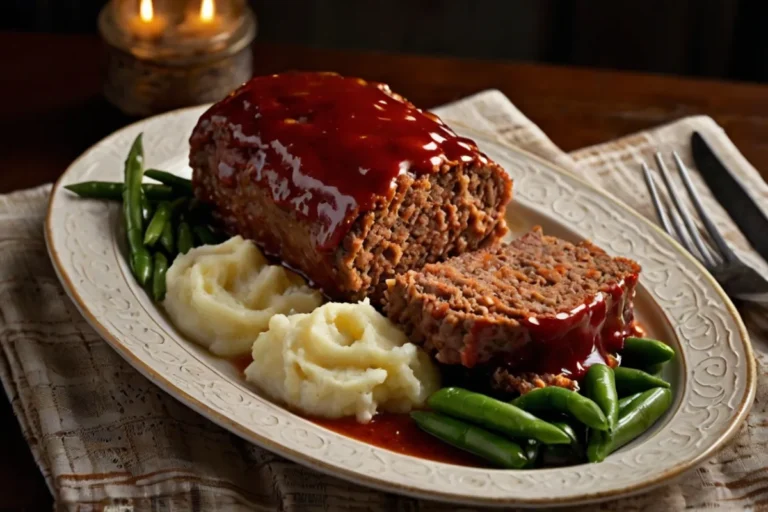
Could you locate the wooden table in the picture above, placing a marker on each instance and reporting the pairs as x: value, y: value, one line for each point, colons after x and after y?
x: 51, y: 111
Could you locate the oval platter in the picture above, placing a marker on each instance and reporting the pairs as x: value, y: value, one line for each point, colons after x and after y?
x: 713, y: 375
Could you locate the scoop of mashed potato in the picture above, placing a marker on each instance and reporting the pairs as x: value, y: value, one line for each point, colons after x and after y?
x: 222, y: 296
x: 341, y: 360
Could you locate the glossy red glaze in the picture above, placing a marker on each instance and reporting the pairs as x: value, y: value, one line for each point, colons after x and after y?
x: 571, y: 342
x: 327, y: 146
x: 398, y: 433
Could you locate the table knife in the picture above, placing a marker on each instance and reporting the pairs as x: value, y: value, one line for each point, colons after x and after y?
x: 730, y: 193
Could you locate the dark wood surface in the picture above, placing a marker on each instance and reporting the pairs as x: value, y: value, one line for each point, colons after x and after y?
x: 51, y: 111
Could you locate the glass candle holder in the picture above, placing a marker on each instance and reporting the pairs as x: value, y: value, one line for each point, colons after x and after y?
x: 166, y: 54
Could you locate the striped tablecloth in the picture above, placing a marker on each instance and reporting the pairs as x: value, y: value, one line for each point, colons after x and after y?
x: 103, y: 435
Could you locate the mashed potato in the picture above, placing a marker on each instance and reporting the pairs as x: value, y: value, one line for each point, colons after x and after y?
x: 223, y: 296
x: 341, y: 360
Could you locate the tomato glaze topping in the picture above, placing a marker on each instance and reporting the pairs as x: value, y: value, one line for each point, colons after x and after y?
x: 328, y: 146
x: 570, y: 342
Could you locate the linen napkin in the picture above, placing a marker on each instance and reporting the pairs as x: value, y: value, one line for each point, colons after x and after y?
x: 105, y: 438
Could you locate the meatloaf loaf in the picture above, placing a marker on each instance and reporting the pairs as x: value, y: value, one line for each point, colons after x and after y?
x: 539, y: 308
x: 343, y: 180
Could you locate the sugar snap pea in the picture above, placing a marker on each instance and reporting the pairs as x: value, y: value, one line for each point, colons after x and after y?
x: 600, y: 386
x: 630, y: 381
x: 113, y: 190
x: 559, y: 455
x: 568, y: 429
x: 638, y: 417
x: 175, y: 182
x: 553, y: 398
x: 532, y: 449
x: 645, y: 352
x: 158, y: 277
x: 654, y: 369
x: 490, y: 446
x: 140, y: 259
x: 624, y: 402
x: 184, y: 240
x: 495, y: 415
x: 596, y: 446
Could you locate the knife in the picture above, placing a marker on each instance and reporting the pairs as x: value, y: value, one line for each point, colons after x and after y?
x: 730, y: 193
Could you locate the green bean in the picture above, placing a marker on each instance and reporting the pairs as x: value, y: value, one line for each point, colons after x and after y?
x: 140, y: 259
x: 645, y: 352
x: 167, y: 240
x: 600, y: 386
x: 494, y: 448
x: 630, y: 381
x: 624, y: 402
x: 568, y: 429
x: 162, y: 216
x: 532, y: 449
x: 113, y: 190
x: 205, y: 235
x: 556, y: 399
x: 495, y: 415
x: 158, y: 279
x: 159, y: 219
x: 654, y: 369
x: 596, y: 445
x: 184, y: 241
x: 175, y: 182
x: 559, y: 455
x: 634, y: 421
x: 146, y: 209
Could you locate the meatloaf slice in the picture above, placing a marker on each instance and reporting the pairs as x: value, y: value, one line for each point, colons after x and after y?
x: 344, y: 180
x: 537, y: 305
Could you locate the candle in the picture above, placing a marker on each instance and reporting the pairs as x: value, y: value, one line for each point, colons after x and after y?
x: 207, y: 11
x: 165, y: 54
x: 202, y: 23
x: 147, y: 24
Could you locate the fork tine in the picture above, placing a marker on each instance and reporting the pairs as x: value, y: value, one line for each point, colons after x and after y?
x: 693, y: 231
x: 673, y: 227
x: 657, y: 204
x: 696, y: 200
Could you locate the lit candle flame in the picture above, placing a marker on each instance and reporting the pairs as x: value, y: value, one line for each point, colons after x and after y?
x: 146, y: 12
x: 207, y: 10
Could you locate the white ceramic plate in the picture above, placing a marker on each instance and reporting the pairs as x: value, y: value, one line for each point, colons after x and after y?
x: 713, y: 376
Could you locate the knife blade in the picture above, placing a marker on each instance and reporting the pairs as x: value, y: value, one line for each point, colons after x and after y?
x: 730, y: 193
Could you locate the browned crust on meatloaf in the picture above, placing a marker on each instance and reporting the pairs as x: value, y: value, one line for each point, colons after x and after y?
x: 469, y: 309
x: 426, y: 219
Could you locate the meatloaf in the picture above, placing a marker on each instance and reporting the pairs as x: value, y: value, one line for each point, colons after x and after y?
x: 344, y: 180
x: 538, y: 309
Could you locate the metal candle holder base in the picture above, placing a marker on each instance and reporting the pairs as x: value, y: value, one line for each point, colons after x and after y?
x: 142, y: 84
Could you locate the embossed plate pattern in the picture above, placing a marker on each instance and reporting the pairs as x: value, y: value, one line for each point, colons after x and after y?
x: 714, y: 375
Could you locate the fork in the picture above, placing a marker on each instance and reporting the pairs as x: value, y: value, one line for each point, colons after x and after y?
x: 738, y: 279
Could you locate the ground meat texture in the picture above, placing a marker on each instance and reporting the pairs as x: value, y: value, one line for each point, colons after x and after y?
x: 422, y: 216
x: 504, y: 381
x: 538, y: 305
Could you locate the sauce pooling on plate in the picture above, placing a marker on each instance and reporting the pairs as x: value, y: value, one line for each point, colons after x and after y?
x: 399, y: 433
x: 327, y: 146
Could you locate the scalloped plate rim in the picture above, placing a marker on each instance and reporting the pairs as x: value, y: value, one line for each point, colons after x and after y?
x: 648, y: 483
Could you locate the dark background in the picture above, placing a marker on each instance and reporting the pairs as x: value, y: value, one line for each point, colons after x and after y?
x: 713, y: 38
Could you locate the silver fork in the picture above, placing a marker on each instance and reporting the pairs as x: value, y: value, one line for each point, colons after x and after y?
x: 738, y: 279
